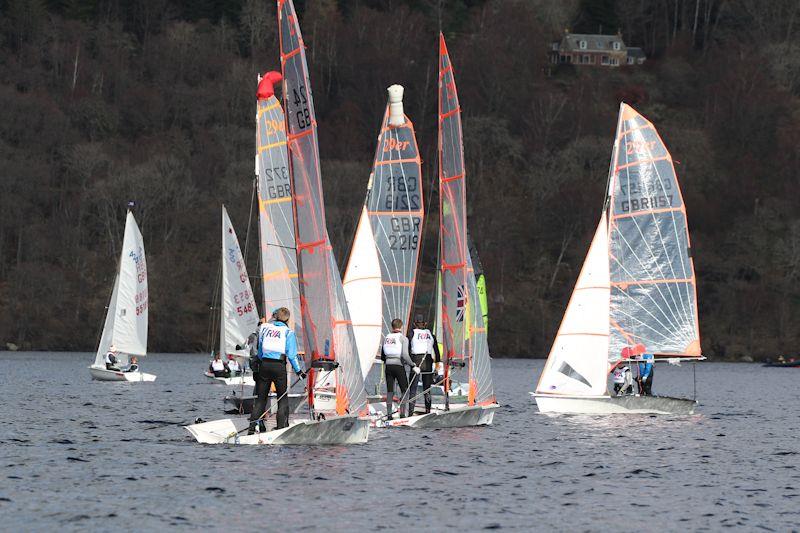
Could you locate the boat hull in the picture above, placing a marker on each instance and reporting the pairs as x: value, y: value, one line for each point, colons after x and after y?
x: 102, y: 374
x: 610, y: 405
x: 332, y: 431
x: 456, y: 417
x: 246, y: 380
x: 787, y: 364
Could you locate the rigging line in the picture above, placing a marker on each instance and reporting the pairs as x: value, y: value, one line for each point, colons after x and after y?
x: 678, y: 323
x: 249, y: 219
x: 212, y: 326
x: 641, y: 137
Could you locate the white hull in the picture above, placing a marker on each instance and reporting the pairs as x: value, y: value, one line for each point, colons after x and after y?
x: 610, y: 405
x: 246, y: 380
x: 457, y: 417
x: 336, y: 430
x: 101, y: 374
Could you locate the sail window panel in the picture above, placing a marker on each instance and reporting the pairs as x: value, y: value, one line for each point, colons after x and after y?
x: 576, y: 351
x: 645, y: 187
x: 651, y: 247
x: 659, y: 316
x: 452, y: 163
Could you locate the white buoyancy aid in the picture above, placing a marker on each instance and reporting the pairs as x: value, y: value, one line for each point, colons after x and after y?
x: 393, y: 345
x: 273, y: 338
x: 421, y: 341
x: 621, y: 374
x: 218, y: 365
x: 233, y: 365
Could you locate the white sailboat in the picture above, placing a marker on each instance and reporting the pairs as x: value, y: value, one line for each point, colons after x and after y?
x: 462, y: 328
x: 636, y: 291
x: 239, y: 311
x: 328, y: 340
x: 125, y: 326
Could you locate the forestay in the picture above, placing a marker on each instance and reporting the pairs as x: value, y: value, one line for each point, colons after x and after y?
x: 464, y: 336
x: 108, y: 327
x: 275, y: 215
x: 239, y: 312
x: 395, y: 218
x: 328, y: 331
x: 653, y: 288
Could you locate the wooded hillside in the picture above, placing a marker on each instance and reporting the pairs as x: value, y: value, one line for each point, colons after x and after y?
x: 105, y: 101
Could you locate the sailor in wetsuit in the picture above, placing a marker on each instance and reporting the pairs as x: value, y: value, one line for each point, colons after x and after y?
x: 276, y: 343
x: 424, y: 352
x: 646, y: 371
x: 394, y: 354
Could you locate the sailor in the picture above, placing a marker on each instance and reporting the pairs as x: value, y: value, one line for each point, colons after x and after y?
x: 218, y: 367
x: 233, y: 366
x: 276, y: 343
x: 394, y: 354
x: 424, y: 352
x: 111, y: 358
x: 646, y: 371
x: 133, y: 366
x: 623, y: 380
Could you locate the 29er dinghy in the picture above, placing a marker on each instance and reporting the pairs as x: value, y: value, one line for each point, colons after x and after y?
x: 125, y: 326
x: 330, y: 349
x: 239, y: 311
x: 636, y: 291
x: 463, y: 330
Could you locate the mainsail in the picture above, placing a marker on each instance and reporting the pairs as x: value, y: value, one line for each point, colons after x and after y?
x: 239, y: 312
x: 126, y: 319
x: 395, y: 216
x: 463, y: 331
x: 275, y: 214
x: 653, y: 286
x: 636, y: 291
x: 328, y: 332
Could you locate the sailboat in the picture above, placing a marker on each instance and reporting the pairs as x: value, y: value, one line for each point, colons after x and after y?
x: 382, y: 269
x: 125, y: 326
x: 239, y: 312
x: 463, y: 331
x: 329, y: 342
x: 636, y: 292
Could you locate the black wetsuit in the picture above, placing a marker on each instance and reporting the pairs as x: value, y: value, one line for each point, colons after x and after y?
x: 395, y: 373
x: 271, y: 371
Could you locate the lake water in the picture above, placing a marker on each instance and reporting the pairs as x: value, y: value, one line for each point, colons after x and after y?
x: 83, y: 455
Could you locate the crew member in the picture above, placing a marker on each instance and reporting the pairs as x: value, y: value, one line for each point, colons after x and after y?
x: 424, y: 352
x: 111, y: 358
x: 276, y: 343
x: 233, y: 366
x: 218, y: 367
x: 394, y: 354
x: 134, y: 365
x: 646, y: 371
x: 623, y: 380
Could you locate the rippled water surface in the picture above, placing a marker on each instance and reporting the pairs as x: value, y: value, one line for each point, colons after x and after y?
x: 81, y: 455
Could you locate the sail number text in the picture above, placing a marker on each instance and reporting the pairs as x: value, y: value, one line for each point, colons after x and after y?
x: 405, y: 233
x: 277, y: 190
x: 401, y: 194
x: 650, y: 195
x: 302, y: 114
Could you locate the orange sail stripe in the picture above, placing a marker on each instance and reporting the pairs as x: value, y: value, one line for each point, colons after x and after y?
x: 454, y: 267
x: 396, y: 161
x: 271, y: 145
x: 642, y: 162
x: 310, y: 245
x: 452, y: 178
x: 290, y: 54
x: 396, y: 284
x: 647, y: 212
x: 395, y: 213
x: 450, y: 113
x: 625, y: 284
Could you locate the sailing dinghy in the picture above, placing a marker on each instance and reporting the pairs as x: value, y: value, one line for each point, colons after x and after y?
x: 636, y: 291
x: 239, y: 312
x: 328, y: 339
x: 125, y: 326
x: 465, y: 347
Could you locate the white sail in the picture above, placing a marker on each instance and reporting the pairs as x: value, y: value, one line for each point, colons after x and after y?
x: 578, y: 363
x: 239, y: 312
x: 130, y: 321
x: 108, y: 327
x: 363, y: 292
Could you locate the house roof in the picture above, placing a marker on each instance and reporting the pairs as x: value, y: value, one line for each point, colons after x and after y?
x: 636, y: 52
x: 594, y: 43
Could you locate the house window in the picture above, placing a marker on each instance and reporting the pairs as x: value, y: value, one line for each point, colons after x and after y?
x: 630, y: 61
x: 582, y: 45
x: 616, y: 45
x: 604, y: 60
x: 586, y: 59
x: 615, y: 61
